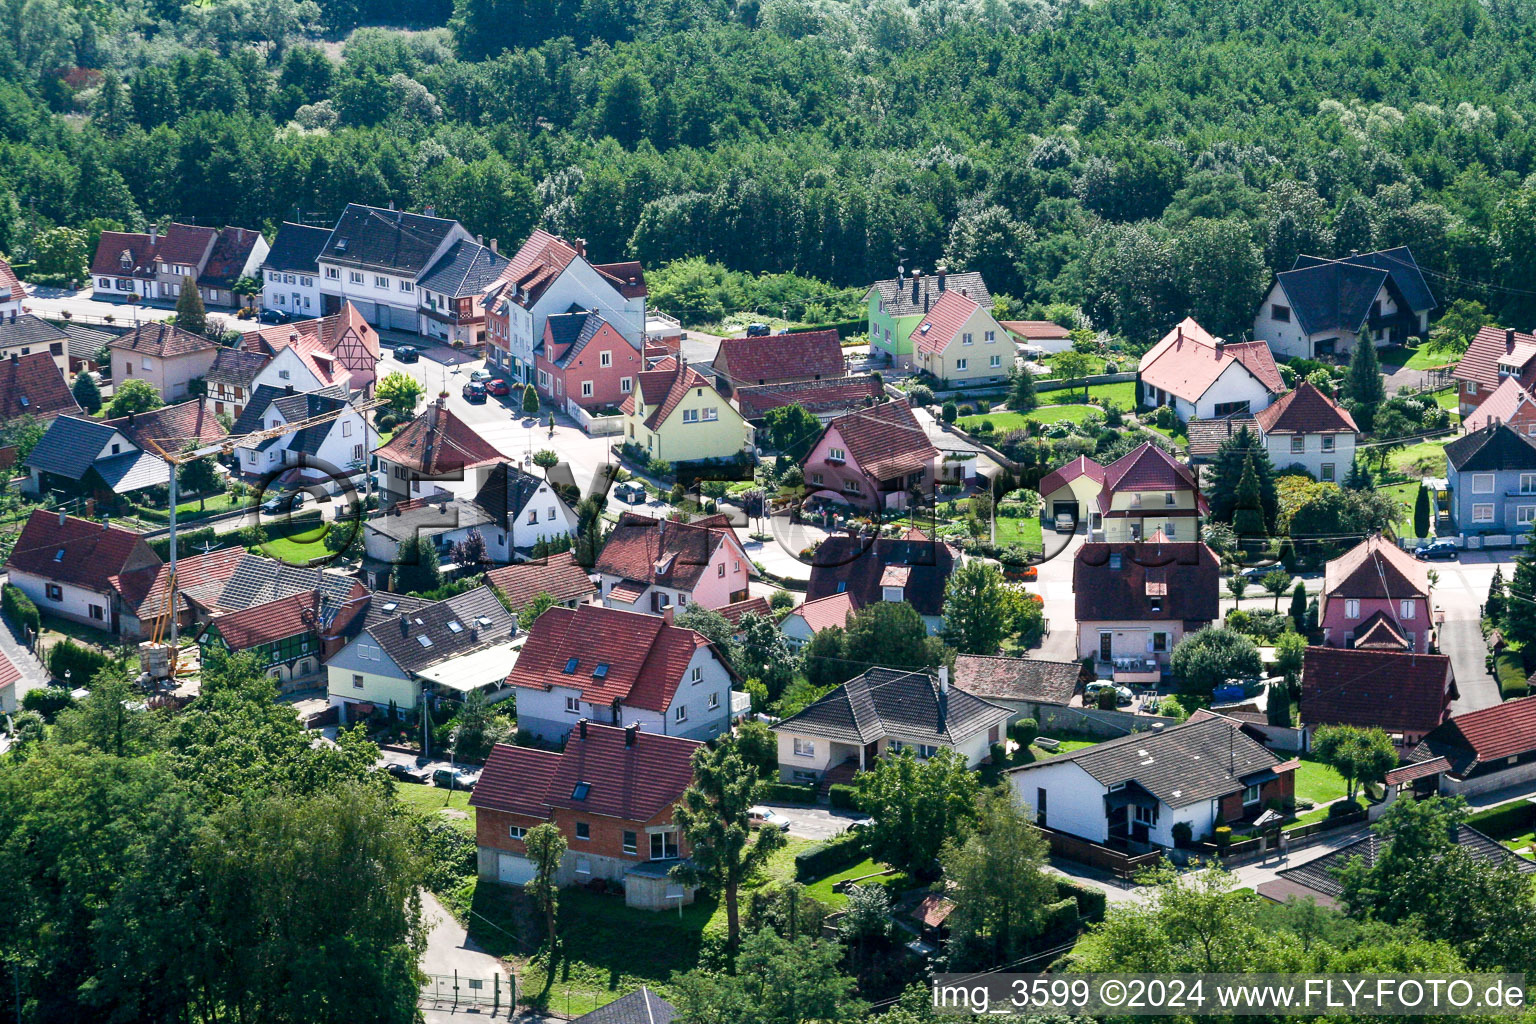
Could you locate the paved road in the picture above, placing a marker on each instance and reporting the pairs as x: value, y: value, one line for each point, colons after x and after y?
x: 51, y: 302
x: 815, y: 822
x: 33, y: 675
x: 1462, y: 589
x: 1055, y: 586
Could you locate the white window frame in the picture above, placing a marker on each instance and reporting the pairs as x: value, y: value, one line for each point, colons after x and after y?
x: 1351, y: 607
x: 626, y: 385
x: 1482, y: 483
x: 1482, y: 513
x: 805, y: 748
x: 516, y: 832
x: 1525, y: 515
x: 961, y: 364
x: 1298, y: 444
x: 1407, y: 608
x: 680, y: 713
x: 605, y: 359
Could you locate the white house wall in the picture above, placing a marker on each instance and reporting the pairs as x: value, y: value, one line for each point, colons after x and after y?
x: 1074, y: 799
x: 1236, y: 384
x: 1313, y: 457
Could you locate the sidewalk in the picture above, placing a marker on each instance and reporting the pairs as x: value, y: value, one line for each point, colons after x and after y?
x: 33, y: 675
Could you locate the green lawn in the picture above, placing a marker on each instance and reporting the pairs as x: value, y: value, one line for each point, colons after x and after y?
x: 1003, y: 422
x: 298, y: 549
x: 1317, y: 782
x: 822, y: 888
x: 1423, y: 358
x: 1023, y: 531
x: 1448, y: 399
x: 76, y: 631
x: 1520, y: 843
x: 1406, y: 495
x: 187, y: 512
x: 1427, y: 458
x: 433, y: 800
x: 1177, y: 435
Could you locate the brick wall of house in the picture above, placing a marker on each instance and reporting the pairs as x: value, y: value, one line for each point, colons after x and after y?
x: 1282, y: 789
x: 607, y: 834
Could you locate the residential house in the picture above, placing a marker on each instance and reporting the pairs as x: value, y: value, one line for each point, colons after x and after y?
x: 374, y: 259
x: 583, y: 360
x: 1130, y: 792
x: 1134, y: 602
x: 810, y: 617
x: 1147, y: 491
x: 1509, y: 403
x: 12, y: 291
x: 1306, y: 428
x: 166, y: 357
x: 885, y: 711
x: 1491, y: 475
x: 897, y: 305
x: 525, y: 509
x: 1042, y: 334
x: 1207, y: 436
x: 911, y: 568
x: 641, y: 1006
x: 65, y: 565
x: 1203, y: 377
x: 678, y: 416
x: 302, y: 364
x: 1320, y: 879
x: 959, y: 342
x: 22, y: 334
x: 1378, y: 684
x: 237, y: 253
x: 340, y: 347
x: 285, y: 636
x: 1073, y: 490
x: 786, y: 358
x: 108, y: 458
x: 290, y: 273
x: 316, y: 454
x: 736, y: 611
x: 1487, y: 749
x: 445, y: 519
x: 407, y: 651
x: 549, y: 275
x: 1320, y: 307
x: 32, y: 385
x: 650, y: 565
x: 1027, y: 687
x: 873, y: 458
x: 646, y: 671
x: 1376, y: 576
x: 1494, y: 355
x: 452, y: 292
x: 231, y: 380
x: 565, y: 580
x: 435, y: 446
x: 825, y: 399
x: 149, y: 267
x: 610, y: 792
x: 10, y: 675
x: 84, y: 346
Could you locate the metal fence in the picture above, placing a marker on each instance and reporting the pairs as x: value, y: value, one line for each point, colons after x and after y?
x: 444, y: 991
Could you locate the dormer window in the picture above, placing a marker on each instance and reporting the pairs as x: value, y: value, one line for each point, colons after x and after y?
x: 58, y: 556
x: 1114, y: 560
x: 892, y: 594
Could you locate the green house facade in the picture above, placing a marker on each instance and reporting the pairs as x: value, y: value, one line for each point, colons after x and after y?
x: 897, y: 305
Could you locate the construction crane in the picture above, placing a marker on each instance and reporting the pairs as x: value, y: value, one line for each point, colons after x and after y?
x: 178, y: 451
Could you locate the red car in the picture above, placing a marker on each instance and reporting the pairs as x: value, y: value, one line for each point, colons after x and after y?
x: 498, y: 387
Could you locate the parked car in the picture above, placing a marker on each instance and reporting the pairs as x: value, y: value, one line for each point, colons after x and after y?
x: 405, y: 773
x: 1254, y: 573
x: 1438, y: 549
x: 454, y: 778
x: 757, y: 330
x: 630, y: 492
x: 767, y: 817
x: 481, y: 375
x: 407, y: 353
x: 283, y: 504
x: 474, y: 392
x: 1066, y: 522
x: 1123, y: 694
x: 273, y: 316
x: 498, y: 387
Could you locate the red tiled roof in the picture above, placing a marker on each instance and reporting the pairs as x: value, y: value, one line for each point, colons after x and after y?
x: 1147, y: 468
x: 1305, y: 411
x: 228, y: 257
x: 942, y: 322
x: 828, y: 396
x: 8, y: 279
x: 327, y: 333
x: 1188, y: 360
x: 270, y: 622
x: 884, y: 440
x: 535, y: 265
x: 645, y: 656
x: 1035, y: 330
x: 1063, y: 475
x: 163, y: 340
x: 200, y: 577
x: 661, y: 551
x: 1489, y: 734
x: 1417, y: 770
x: 1500, y: 407
x: 9, y: 672
x: 1381, y: 632
x: 933, y: 911
x: 779, y: 357
x: 438, y: 443
x: 559, y: 576
x: 183, y: 422
x: 662, y: 388
x: 78, y: 551
x: 1489, y: 347
x: 627, y: 276
x: 751, y: 606
x: 185, y: 244
x: 855, y: 566
x: 34, y: 385
x: 1398, y: 691
x: 823, y: 612
x: 1377, y: 568
x: 630, y: 782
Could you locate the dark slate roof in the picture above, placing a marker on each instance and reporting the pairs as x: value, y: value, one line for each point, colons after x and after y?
x: 570, y: 331
x: 467, y: 268
x: 439, y: 513
x: 1182, y: 765
x: 1119, y: 582
x: 1023, y: 679
x: 1400, y: 264
x: 27, y: 329
x: 401, y: 635
x: 295, y: 248
x: 236, y: 367
x: 641, y: 1006
x: 856, y: 565
x: 303, y: 406
x: 252, y: 417
x: 84, y: 342
x: 1331, y: 296
x: 69, y: 446
x: 389, y: 240
x: 1483, y: 737
x: 886, y: 701
x: 506, y: 492
x: 897, y: 295
x: 1497, y: 447
x: 1319, y: 875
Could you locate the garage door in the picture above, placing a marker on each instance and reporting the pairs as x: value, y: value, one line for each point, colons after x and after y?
x: 1059, y: 507
x: 515, y: 869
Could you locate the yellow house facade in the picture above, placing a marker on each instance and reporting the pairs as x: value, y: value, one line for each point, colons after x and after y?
x: 960, y: 341
x: 678, y: 416
x: 1147, y: 491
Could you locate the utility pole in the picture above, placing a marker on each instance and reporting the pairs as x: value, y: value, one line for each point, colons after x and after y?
x: 171, y: 579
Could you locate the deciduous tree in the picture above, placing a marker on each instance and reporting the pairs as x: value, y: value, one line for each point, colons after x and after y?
x: 916, y: 806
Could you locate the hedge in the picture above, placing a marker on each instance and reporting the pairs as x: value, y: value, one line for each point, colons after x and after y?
x: 822, y: 859
x: 1504, y: 821
x: 787, y: 793
x: 843, y: 796
x: 1060, y: 917
x: 19, y: 609
x: 80, y: 662
x: 1091, y: 902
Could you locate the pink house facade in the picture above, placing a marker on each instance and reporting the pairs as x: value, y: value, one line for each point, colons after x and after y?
x: 582, y: 358
x: 872, y: 458
x: 1376, y: 577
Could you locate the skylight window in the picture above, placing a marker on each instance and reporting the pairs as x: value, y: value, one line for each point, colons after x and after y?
x: 570, y: 666
x: 601, y: 672
x: 391, y: 606
x: 483, y: 621
x: 455, y: 626
x: 58, y: 556
x: 581, y: 791
x: 424, y: 640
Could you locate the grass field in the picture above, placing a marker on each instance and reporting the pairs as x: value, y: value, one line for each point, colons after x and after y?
x: 1427, y: 458
x: 822, y: 888
x: 1024, y: 531
x: 298, y: 549
x: 1317, y: 782
x: 1406, y: 495
x: 1003, y: 422
x: 1448, y: 399
x: 1421, y: 357
x: 433, y: 800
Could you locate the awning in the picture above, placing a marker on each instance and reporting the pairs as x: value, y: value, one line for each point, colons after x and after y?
x: 488, y: 667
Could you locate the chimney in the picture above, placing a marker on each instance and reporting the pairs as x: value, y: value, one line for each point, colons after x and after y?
x: 581, y: 247
x: 240, y: 235
x: 495, y: 247
x: 631, y: 732
x: 430, y: 211
x: 479, y: 239
x: 1221, y: 346
x: 943, y: 678
x: 288, y: 388
x: 943, y: 273
x: 14, y: 357
x: 666, y: 615
x: 1509, y: 339
x: 917, y: 277
x: 582, y: 725
x: 405, y: 625
x: 154, y: 235
x: 63, y: 516
x: 106, y: 522
x: 925, y: 302
x: 391, y: 204
x: 943, y: 697
x: 131, y: 418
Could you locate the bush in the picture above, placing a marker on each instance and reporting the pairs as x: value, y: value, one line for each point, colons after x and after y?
x: 1060, y: 918
x: 1341, y: 808
x: 47, y: 701
x: 1091, y: 902
x: 949, y: 412
x: 659, y: 468
x: 1500, y: 822
x: 1183, y: 834
x: 920, y: 394
x: 19, y: 609
x: 1222, y: 836
x: 822, y: 859
x: 80, y: 662
x: 1025, y: 730
x: 843, y: 796
x: 999, y: 752
x: 787, y: 793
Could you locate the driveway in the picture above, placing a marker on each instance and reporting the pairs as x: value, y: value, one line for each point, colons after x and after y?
x: 449, y: 950
x: 1462, y: 589
x: 1055, y: 586
x: 815, y: 822
x: 33, y: 675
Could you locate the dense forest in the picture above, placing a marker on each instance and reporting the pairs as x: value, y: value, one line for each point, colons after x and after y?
x: 1139, y: 159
